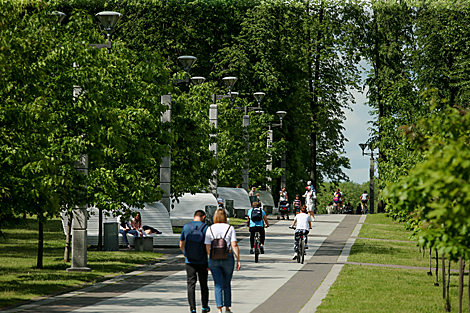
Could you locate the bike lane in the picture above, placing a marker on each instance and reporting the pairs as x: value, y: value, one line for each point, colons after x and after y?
x: 275, y: 284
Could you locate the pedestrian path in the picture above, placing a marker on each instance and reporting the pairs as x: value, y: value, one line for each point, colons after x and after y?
x: 275, y: 284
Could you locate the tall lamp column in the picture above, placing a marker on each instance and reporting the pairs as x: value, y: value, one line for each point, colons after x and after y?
x: 371, y: 174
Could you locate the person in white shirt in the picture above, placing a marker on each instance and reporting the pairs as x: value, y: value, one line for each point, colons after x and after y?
x: 222, y: 269
x: 310, y: 196
x: 283, y: 207
x: 304, y: 224
x: 364, y: 198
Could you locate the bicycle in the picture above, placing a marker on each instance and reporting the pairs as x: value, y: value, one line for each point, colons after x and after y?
x: 257, y: 244
x: 301, y: 249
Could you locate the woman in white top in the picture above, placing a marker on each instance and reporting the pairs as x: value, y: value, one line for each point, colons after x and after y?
x: 304, y: 224
x: 222, y: 269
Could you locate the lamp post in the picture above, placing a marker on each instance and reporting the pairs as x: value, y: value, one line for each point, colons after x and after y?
x: 165, y: 167
x: 213, y: 119
x: 371, y: 173
x: 246, y: 122
x: 269, y: 165
x: 109, y: 20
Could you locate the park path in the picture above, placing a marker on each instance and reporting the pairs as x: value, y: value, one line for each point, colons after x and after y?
x: 276, y: 284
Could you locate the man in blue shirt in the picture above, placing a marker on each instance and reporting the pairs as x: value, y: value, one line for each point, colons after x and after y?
x: 256, y: 221
x: 196, y: 266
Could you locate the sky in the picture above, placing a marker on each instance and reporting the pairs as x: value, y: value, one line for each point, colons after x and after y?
x: 357, y: 132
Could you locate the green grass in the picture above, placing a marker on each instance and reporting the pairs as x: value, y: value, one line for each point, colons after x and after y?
x: 20, y: 280
x: 388, y: 252
x: 377, y: 289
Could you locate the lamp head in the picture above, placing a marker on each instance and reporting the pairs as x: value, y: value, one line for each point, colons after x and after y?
x: 59, y: 15
x: 363, y: 147
x: 230, y: 81
x: 187, y: 61
x: 233, y: 96
x: 259, y: 112
x: 109, y: 20
x: 259, y: 96
x: 197, y: 80
x: 281, y: 114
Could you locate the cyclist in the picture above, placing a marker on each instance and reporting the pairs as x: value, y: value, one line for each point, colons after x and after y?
x: 364, y: 198
x: 338, y: 200
x: 257, y: 220
x: 304, y: 224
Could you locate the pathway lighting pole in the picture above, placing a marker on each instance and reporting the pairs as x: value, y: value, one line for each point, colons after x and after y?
x: 79, y: 222
x: 213, y: 119
x: 269, y: 166
x: 165, y: 167
x: 371, y: 173
x: 246, y: 122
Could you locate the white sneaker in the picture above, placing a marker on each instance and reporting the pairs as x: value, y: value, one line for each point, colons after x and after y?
x: 295, y: 256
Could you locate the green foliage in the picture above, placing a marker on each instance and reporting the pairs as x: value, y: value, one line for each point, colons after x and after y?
x: 113, y: 118
x: 435, y: 194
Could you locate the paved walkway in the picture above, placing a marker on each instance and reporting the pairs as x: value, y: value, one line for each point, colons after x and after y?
x: 276, y: 284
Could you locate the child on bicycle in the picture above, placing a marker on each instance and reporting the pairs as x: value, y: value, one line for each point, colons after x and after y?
x: 257, y: 220
x: 304, y: 224
x: 297, y: 204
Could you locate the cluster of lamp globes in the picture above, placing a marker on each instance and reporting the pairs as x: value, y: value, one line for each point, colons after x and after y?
x: 109, y: 19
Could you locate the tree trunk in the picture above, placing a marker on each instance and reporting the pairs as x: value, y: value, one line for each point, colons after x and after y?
x: 460, y: 283
x: 313, y: 89
x: 448, y: 308
x: 437, y: 269
x: 40, y: 245
x: 68, y: 237
x: 100, y: 229
x: 443, y: 277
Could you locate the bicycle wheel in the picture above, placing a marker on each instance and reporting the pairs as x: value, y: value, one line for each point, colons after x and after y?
x: 302, y: 250
x: 299, y: 251
x: 256, y: 249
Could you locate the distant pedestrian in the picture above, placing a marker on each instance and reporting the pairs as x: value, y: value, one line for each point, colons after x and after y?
x: 364, y: 198
x: 310, y: 196
x: 221, y: 245
x: 252, y: 191
x: 194, y: 249
x: 220, y: 201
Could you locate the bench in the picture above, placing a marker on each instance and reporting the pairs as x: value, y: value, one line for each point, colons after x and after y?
x: 153, y: 214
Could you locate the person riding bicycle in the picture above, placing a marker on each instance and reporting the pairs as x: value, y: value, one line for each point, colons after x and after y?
x: 297, y: 204
x: 364, y: 198
x: 257, y: 220
x: 338, y: 200
x: 304, y: 224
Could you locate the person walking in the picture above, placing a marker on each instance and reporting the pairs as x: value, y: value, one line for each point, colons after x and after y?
x: 222, y: 264
x: 257, y: 221
x: 192, y: 244
x: 310, y: 196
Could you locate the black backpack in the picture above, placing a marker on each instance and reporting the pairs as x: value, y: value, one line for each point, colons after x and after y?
x: 256, y: 215
x: 194, y: 247
x: 219, y: 248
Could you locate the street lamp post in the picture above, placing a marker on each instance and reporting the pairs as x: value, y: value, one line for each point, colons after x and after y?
x: 246, y: 122
x: 79, y: 222
x: 269, y: 165
x: 371, y: 173
x: 165, y: 166
x: 213, y: 119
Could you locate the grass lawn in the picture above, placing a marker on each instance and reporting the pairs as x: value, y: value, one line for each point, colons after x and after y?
x: 376, y: 289
x: 20, y: 280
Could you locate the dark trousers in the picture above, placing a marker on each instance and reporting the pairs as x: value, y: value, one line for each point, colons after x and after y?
x: 193, y: 272
x: 262, y: 235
